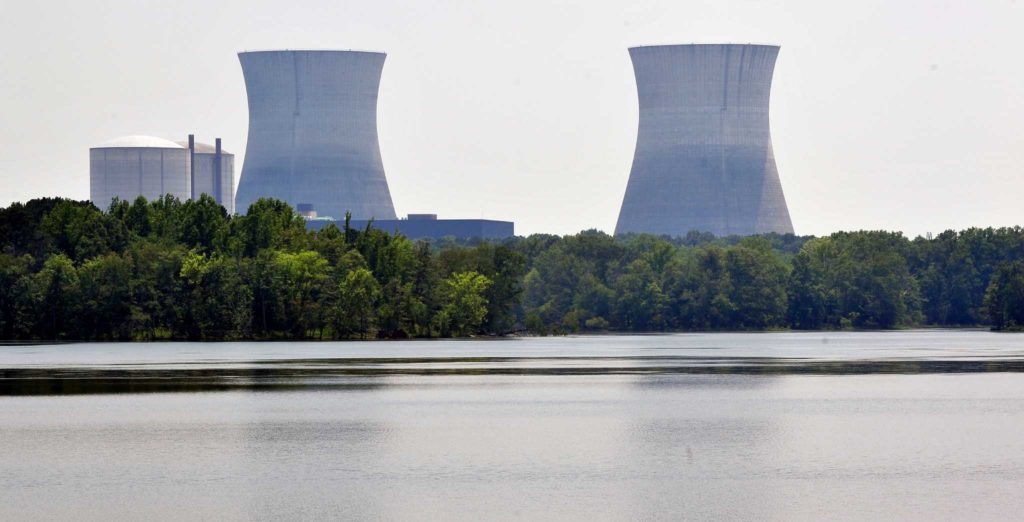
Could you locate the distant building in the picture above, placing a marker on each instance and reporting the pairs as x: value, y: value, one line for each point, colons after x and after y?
x: 704, y: 157
x: 427, y: 226
x: 313, y: 132
x: 133, y: 166
x: 152, y: 167
x: 213, y: 172
x: 306, y: 210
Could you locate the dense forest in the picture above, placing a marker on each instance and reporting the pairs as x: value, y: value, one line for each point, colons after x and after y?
x: 166, y: 269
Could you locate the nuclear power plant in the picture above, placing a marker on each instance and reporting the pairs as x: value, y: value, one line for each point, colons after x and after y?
x: 312, y: 143
x: 213, y: 172
x: 132, y: 166
x: 703, y: 159
x: 313, y: 133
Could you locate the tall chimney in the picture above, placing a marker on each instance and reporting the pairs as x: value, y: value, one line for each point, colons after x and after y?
x: 217, y: 173
x: 192, y: 163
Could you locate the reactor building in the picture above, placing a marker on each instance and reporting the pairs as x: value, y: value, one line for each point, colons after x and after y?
x: 313, y: 133
x: 212, y: 172
x: 703, y: 159
x: 134, y: 166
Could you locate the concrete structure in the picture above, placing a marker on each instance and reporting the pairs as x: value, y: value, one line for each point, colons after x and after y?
x: 134, y: 166
x: 427, y: 226
x: 313, y: 132
x: 213, y: 172
x: 703, y: 157
x: 306, y: 210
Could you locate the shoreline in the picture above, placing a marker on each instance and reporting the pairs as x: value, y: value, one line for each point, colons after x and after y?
x: 515, y: 336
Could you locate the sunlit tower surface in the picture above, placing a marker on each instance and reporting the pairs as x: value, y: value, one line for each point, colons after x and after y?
x: 704, y: 157
x: 313, y: 132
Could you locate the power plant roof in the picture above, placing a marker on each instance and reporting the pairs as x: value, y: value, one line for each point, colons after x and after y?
x: 139, y: 142
x: 253, y: 51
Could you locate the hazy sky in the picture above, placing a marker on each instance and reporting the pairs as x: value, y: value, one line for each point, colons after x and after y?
x: 905, y: 115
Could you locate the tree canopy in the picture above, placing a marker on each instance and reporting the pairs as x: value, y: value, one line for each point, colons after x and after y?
x: 167, y: 269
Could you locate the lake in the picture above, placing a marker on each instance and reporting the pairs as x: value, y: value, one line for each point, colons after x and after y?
x: 914, y: 425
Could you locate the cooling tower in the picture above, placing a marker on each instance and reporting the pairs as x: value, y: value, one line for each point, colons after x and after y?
x: 134, y: 166
x: 313, y: 132
x: 703, y: 157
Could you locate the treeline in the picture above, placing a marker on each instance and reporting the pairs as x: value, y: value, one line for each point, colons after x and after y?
x: 186, y: 270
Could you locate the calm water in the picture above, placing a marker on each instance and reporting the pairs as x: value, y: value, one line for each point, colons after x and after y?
x: 859, y: 426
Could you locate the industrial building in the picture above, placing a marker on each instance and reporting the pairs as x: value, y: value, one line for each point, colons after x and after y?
x: 704, y: 157
x: 133, y: 166
x: 313, y: 132
x: 427, y: 226
x: 213, y: 172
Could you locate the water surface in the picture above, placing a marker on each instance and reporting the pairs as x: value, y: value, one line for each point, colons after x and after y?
x: 708, y: 426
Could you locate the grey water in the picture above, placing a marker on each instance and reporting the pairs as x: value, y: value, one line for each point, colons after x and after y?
x: 916, y: 425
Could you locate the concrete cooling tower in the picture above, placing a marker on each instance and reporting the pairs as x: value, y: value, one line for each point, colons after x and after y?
x: 703, y: 157
x: 313, y: 132
x: 134, y: 166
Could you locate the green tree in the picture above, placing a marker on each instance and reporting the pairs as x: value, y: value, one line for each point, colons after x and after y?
x: 202, y: 223
x: 1004, y: 299
x: 53, y: 299
x: 706, y: 302
x: 298, y: 283
x: 15, y: 272
x: 858, y: 279
x: 640, y: 302
x: 217, y: 301
x: 106, y: 297
x: 268, y: 224
x: 357, y: 303
x: 80, y: 231
x: 465, y: 303
x: 814, y: 290
x: 423, y: 300
x: 157, y: 289
x: 757, y: 277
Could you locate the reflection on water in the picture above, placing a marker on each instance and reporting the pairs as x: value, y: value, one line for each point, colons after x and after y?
x: 337, y: 436
x: 192, y: 367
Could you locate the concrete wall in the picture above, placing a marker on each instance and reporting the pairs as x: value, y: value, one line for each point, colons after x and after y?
x: 206, y: 178
x: 703, y: 157
x: 128, y: 173
x: 313, y: 132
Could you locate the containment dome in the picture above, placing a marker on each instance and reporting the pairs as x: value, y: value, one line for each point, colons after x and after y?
x: 133, y: 166
x: 139, y: 142
x: 313, y: 132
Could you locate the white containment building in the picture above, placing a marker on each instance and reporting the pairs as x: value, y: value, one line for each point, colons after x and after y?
x: 134, y: 166
x: 313, y: 133
x: 704, y: 157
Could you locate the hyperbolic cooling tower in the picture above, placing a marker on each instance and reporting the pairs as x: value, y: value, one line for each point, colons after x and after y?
x: 313, y: 132
x: 703, y: 157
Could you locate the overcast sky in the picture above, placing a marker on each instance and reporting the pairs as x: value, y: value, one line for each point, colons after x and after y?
x: 895, y: 114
